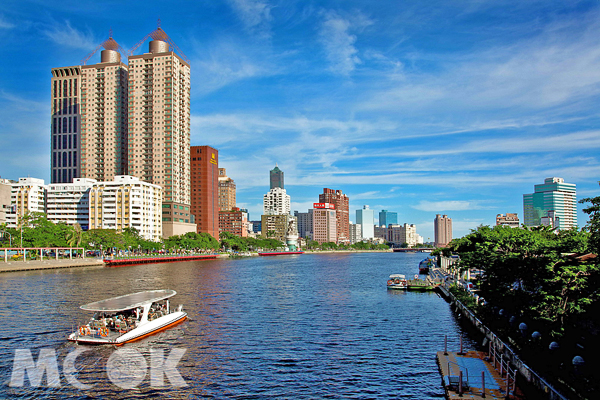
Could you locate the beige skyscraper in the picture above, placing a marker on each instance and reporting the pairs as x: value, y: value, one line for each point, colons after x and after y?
x: 104, y: 115
x: 443, y: 230
x: 226, y: 191
x: 159, y: 126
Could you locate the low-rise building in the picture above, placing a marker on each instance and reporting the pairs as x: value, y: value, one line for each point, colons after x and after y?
x: 70, y: 202
x: 355, y: 233
x: 510, y: 219
x: 127, y: 202
x: 26, y: 196
x: 234, y: 221
x: 5, y: 189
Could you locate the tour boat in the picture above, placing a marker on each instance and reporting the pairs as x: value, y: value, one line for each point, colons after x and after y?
x: 128, y: 318
x: 418, y: 284
x: 397, y: 281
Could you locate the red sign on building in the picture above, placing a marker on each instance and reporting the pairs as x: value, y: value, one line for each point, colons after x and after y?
x: 324, y: 205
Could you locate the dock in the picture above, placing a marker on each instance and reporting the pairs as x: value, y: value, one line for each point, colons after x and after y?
x: 480, y: 379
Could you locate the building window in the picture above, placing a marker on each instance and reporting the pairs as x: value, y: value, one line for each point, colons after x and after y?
x: 74, y: 158
x: 64, y: 174
x: 69, y: 176
x: 75, y: 124
x: 75, y: 90
x: 64, y: 142
x: 70, y: 141
x: 70, y: 161
x: 74, y: 141
x: 64, y: 160
x: 54, y: 160
x: 53, y: 142
x: 64, y: 125
x: 53, y: 175
x: 59, y: 125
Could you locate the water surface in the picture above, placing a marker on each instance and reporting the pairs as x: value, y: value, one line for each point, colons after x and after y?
x: 308, y: 326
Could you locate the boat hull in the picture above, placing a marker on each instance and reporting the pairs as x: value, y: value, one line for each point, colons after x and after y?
x: 141, y: 332
x: 396, y: 287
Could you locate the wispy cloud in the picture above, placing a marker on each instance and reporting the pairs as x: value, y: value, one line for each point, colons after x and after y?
x: 63, y: 34
x: 254, y: 14
x: 450, y: 205
x: 338, y: 41
x: 4, y: 24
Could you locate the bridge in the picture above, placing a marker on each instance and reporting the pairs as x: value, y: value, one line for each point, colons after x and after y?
x: 414, y: 250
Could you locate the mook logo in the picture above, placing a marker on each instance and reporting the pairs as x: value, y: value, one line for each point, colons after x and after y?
x: 125, y: 368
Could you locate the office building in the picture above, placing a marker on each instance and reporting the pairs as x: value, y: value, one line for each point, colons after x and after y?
x: 553, y: 196
x: 510, y: 220
x: 234, y: 221
x: 366, y: 219
x: 400, y: 235
x: 205, y: 189
x: 127, y: 202
x: 276, y: 178
x: 65, y: 124
x: 69, y: 203
x: 324, y: 227
x: 305, y: 224
x: 226, y: 191
x: 387, y: 217
x: 443, y: 230
x: 277, y: 201
x: 28, y: 195
x: 342, y: 212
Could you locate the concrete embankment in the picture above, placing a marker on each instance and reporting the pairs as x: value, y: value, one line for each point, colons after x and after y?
x: 16, y: 266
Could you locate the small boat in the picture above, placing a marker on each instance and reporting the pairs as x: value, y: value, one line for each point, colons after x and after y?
x: 397, y: 281
x: 128, y: 318
x: 419, y: 284
x: 424, y: 266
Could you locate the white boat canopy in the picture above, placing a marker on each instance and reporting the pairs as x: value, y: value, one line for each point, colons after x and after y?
x: 399, y: 276
x: 129, y: 301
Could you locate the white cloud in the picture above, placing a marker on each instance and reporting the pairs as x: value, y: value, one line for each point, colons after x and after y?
x: 4, y: 24
x: 339, y: 43
x: 254, y: 14
x: 443, y: 206
x: 64, y: 34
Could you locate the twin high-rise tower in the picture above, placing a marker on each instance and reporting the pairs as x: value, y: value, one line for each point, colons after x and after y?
x: 112, y: 119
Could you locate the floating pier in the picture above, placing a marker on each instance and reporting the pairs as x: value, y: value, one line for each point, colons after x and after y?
x: 155, y: 260
x: 472, y: 375
x: 280, y: 253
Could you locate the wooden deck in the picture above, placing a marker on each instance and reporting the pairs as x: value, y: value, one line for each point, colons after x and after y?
x: 476, y: 370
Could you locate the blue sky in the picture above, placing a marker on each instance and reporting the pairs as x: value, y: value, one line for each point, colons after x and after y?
x: 418, y: 107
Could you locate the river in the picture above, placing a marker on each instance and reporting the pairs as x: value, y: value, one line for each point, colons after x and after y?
x: 296, y: 327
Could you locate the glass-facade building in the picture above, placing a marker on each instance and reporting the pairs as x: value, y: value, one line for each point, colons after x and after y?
x: 553, y: 201
x: 387, y: 217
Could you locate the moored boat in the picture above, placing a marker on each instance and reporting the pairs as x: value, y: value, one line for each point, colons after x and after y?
x: 396, y: 281
x: 128, y: 318
x: 425, y: 265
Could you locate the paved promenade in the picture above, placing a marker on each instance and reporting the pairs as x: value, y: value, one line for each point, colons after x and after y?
x: 15, y: 266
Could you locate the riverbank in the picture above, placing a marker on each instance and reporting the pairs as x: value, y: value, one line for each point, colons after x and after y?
x: 17, y: 266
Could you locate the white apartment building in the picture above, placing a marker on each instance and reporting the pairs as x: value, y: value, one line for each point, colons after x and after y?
x: 27, y: 195
x: 70, y: 202
x: 127, y: 202
x: 355, y: 233
x: 276, y: 202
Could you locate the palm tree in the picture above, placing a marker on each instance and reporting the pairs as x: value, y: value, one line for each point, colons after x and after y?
x: 74, y: 236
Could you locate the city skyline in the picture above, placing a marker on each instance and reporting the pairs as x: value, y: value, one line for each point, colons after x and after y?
x: 420, y: 109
